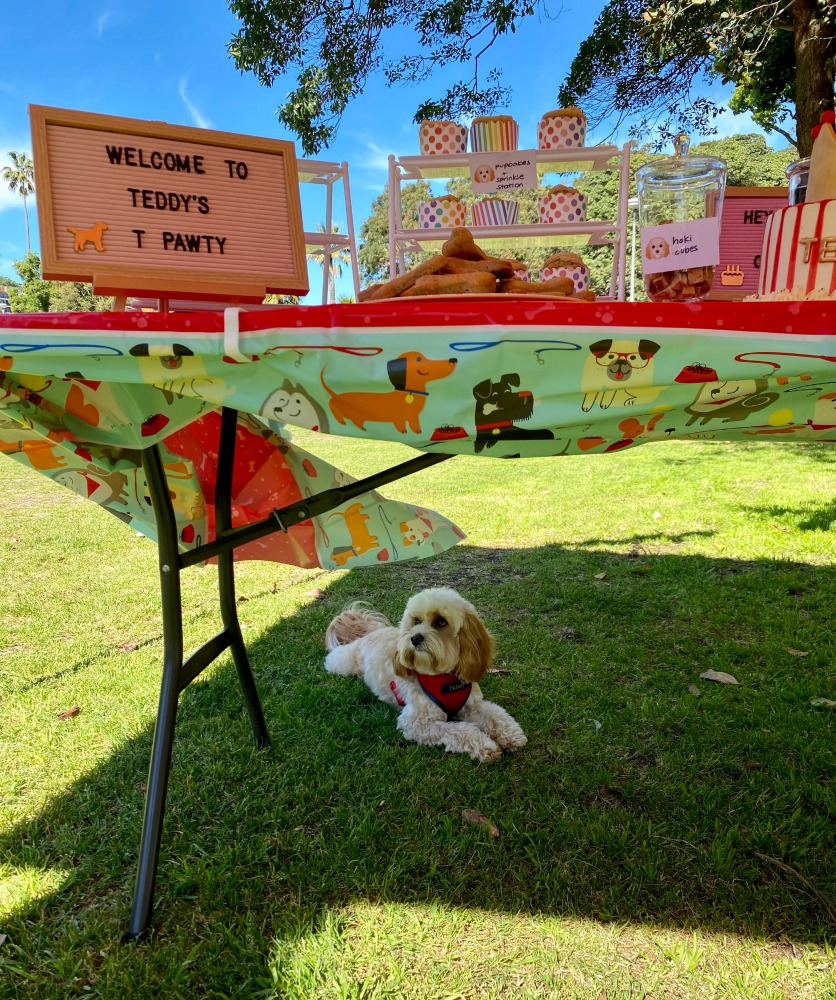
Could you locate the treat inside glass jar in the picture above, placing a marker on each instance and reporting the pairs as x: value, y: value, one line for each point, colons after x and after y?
x: 685, y: 285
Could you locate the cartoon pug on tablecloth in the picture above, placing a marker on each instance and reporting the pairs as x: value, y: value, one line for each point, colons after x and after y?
x: 620, y: 373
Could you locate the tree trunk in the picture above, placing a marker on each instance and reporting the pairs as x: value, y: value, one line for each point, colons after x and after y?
x: 26, y: 218
x: 815, y: 58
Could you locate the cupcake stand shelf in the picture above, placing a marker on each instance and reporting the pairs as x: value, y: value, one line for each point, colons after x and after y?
x: 605, y: 232
x: 327, y: 244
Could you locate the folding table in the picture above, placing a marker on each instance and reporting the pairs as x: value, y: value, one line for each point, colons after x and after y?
x: 181, y: 425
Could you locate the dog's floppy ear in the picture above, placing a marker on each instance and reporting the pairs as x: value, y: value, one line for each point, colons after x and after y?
x: 600, y: 347
x: 397, y: 665
x: 396, y: 370
x: 483, y: 389
x: 648, y: 348
x: 476, y: 648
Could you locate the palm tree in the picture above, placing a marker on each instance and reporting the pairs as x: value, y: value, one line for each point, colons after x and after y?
x: 20, y: 177
x: 336, y: 260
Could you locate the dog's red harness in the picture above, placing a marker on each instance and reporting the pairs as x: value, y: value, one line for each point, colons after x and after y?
x: 448, y: 691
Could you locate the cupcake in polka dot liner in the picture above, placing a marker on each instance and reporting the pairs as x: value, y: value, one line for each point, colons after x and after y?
x: 562, y: 204
x: 444, y: 212
x: 437, y: 138
x: 566, y: 265
x: 562, y: 129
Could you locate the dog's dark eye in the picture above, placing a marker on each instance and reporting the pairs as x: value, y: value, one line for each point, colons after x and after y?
x: 440, y: 622
x: 416, y: 621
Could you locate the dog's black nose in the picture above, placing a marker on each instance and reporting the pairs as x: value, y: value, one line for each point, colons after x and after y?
x: 417, y: 639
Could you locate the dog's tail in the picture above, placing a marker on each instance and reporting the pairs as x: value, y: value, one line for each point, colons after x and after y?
x: 353, y: 622
x: 325, y: 385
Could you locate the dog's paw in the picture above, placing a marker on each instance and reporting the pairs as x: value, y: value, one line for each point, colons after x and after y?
x: 487, y: 753
x: 512, y: 740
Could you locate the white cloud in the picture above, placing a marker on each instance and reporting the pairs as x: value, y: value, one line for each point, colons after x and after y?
x: 194, y: 111
x: 102, y: 21
x: 728, y: 124
x: 368, y: 163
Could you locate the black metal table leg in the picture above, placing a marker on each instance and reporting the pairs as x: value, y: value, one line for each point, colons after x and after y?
x: 152, y: 822
x: 226, y: 576
x: 178, y: 674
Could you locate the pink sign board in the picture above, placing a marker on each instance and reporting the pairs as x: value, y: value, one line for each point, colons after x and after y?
x: 742, y: 225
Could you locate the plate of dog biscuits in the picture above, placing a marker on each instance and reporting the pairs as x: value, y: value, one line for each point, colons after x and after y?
x: 464, y: 269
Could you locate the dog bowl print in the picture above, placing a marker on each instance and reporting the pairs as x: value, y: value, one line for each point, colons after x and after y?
x: 446, y: 212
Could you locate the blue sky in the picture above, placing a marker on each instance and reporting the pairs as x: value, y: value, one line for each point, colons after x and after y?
x: 167, y: 61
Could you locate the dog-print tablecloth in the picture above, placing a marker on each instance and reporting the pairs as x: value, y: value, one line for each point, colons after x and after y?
x: 496, y: 376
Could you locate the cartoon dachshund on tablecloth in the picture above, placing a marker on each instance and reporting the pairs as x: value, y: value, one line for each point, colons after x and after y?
x: 409, y: 374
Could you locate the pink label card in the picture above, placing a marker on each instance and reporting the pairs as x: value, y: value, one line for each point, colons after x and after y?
x: 493, y: 173
x: 677, y: 245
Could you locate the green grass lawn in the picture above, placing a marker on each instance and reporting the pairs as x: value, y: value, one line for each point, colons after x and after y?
x: 660, y: 836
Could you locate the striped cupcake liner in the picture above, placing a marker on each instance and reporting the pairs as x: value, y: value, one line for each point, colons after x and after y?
x: 495, y: 212
x: 493, y: 136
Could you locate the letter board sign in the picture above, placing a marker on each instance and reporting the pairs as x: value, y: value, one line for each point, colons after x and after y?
x: 146, y: 207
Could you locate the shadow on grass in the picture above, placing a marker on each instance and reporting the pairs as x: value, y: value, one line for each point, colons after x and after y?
x: 820, y: 518
x: 635, y: 800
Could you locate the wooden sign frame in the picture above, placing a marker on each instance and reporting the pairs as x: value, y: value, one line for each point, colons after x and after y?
x: 149, y: 181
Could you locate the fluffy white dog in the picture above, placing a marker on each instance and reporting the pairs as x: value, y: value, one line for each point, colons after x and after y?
x: 429, y: 668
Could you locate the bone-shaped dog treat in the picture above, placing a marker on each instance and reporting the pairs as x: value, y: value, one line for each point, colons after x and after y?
x: 461, y: 245
x: 478, y: 282
x: 554, y: 286
x: 493, y: 265
x: 367, y: 293
x: 397, y: 286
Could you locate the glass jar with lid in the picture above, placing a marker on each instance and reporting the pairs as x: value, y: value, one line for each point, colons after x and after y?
x: 680, y: 204
x: 798, y: 173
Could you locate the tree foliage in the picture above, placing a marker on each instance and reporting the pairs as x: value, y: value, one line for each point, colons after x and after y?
x: 646, y: 62
x: 373, y: 255
x: 334, y: 48
x: 20, y: 178
x: 35, y: 294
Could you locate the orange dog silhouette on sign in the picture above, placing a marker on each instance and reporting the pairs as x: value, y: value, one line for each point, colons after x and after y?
x: 92, y: 235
